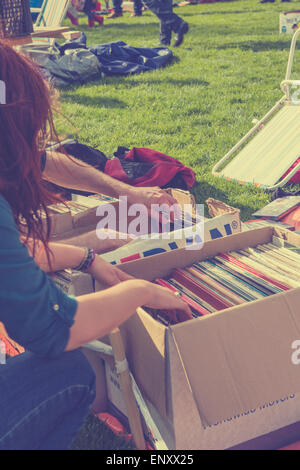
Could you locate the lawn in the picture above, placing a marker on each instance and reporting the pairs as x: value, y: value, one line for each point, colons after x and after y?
x: 226, y: 73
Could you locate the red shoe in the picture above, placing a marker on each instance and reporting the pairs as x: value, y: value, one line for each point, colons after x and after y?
x: 74, y: 20
x: 91, y: 23
x: 99, y: 19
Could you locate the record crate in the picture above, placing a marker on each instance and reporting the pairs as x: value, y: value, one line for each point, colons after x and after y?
x: 227, y: 378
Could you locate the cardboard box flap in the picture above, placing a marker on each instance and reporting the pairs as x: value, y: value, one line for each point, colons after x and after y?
x: 184, y: 411
x: 144, y: 340
x: 183, y: 198
x: 226, y: 361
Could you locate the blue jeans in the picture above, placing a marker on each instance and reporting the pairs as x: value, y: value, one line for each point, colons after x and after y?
x: 169, y: 21
x: 88, y: 6
x: 44, y: 402
x: 137, y: 6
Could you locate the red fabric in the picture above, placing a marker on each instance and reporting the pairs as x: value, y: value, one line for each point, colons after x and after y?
x: 98, y: 7
x: 293, y: 218
x: 296, y: 177
x: 163, y: 171
x: 99, y: 19
x: 294, y: 446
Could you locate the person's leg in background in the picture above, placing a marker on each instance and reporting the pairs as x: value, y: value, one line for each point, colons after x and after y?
x: 87, y: 9
x: 117, y: 6
x: 72, y: 14
x: 137, y: 8
x: 169, y: 21
x: 44, y: 402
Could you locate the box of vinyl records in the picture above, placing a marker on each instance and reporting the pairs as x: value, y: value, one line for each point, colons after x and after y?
x: 60, y: 217
x: 154, y: 429
x: 224, y: 221
x: 232, y: 373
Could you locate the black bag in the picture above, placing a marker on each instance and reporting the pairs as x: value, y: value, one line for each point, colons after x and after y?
x: 77, y: 67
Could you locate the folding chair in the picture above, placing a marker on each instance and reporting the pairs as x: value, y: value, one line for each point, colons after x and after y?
x: 48, y: 27
x: 36, y: 8
x: 272, y: 146
x: 51, y: 15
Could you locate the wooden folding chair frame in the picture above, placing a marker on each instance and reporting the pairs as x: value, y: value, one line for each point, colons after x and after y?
x: 132, y: 396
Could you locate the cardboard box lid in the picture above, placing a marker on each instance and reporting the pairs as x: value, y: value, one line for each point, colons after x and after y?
x: 240, y: 358
x: 160, y: 265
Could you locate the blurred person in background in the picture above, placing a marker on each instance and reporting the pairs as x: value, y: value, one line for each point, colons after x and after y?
x: 169, y: 21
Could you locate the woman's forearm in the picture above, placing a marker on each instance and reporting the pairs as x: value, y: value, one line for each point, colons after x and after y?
x: 101, y: 312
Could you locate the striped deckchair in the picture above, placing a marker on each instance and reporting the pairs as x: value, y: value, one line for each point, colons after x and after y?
x: 272, y: 146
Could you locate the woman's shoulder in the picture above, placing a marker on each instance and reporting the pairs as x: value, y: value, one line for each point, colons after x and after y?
x: 3, y: 203
x: 6, y: 215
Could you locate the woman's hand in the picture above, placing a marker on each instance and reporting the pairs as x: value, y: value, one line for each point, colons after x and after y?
x: 106, y: 273
x: 100, y: 312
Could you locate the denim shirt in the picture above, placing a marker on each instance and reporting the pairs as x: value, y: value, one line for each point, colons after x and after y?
x: 35, y: 312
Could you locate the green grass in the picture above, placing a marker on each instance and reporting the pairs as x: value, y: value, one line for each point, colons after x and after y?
x: 96, y: 436
x: 226, y: 73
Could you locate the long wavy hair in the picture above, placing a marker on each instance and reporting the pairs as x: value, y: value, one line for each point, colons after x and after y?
x: 26, y: 124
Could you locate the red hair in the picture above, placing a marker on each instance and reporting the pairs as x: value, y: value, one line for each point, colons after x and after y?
x: 26, y: 124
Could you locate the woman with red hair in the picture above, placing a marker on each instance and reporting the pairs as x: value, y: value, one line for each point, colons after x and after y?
x: 46, y: 392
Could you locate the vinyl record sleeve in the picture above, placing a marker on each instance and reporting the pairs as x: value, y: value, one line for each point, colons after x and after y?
x: 201, y: 291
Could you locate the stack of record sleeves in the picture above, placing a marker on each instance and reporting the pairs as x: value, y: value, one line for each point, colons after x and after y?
x: 230, y: 279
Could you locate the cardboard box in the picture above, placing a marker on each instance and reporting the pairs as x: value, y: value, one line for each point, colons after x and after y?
x: 225, y: 378
x: 225, y: 221
x: 76, y: 216
x: 61, y: 219
x: 289, y: 21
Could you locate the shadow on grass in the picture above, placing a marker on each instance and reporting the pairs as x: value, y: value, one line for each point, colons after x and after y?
x: 203, y: 190
x: 257, y: 46
x: 95, y: 101
x: 231, y: 12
